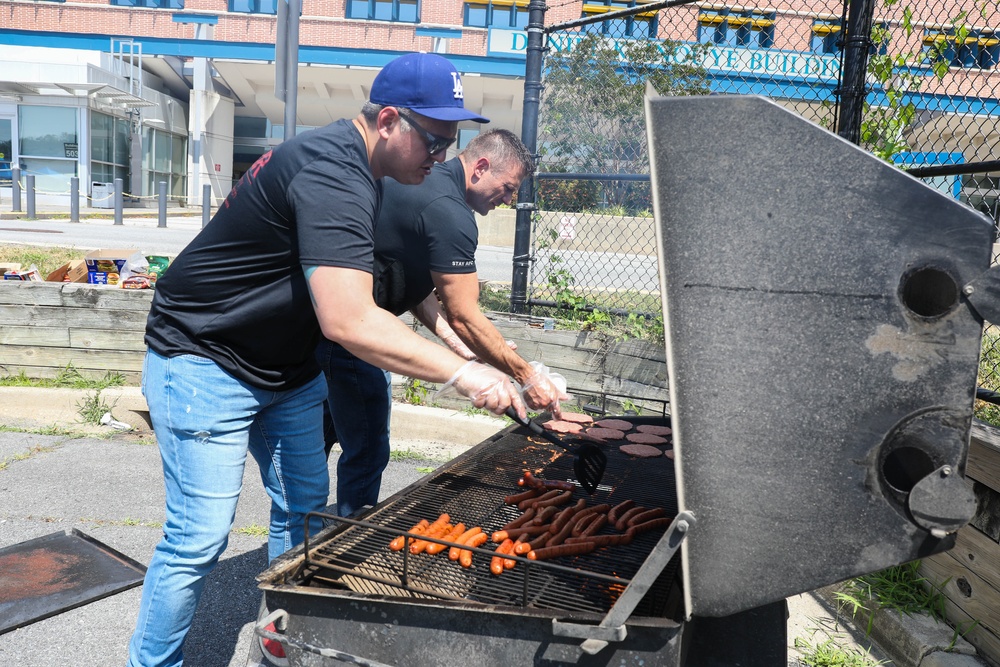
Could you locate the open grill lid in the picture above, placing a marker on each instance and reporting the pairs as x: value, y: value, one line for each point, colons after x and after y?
x: 821, y: 352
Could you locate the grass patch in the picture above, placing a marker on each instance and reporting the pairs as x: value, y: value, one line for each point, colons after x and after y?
x: 989, y: 375
x: 253, y: 530
x: 23, y: 456
x: 400, y: 455
x: 828, y: 653
x: 67, y: 378
x: 46, y: 259
x: 900, y: 588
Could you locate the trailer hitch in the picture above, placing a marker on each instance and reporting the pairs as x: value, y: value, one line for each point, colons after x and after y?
x: 612, y: 628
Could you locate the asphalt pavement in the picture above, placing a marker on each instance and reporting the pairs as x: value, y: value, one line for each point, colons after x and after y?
x: 111, y: 489
x: 109, y: 486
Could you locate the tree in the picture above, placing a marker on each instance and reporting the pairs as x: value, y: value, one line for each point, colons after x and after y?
x: 593, y: 115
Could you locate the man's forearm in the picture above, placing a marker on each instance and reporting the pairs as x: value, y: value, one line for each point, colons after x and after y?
x: 490, y: 346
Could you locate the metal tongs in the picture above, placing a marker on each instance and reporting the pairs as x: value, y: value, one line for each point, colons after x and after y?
x: 589, y: 462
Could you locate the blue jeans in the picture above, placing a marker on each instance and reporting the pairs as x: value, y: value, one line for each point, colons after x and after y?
x: 357, y: 414
x: 205, y: 422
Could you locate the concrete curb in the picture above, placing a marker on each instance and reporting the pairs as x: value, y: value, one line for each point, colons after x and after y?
x: 911, y: 641
x: 436, y: 433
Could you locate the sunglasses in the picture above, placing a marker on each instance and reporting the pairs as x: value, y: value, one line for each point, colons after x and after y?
x: 435, y: 143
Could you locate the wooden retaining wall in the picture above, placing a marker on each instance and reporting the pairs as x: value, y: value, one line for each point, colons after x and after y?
x: 45, y: 327
x: 971, y: 571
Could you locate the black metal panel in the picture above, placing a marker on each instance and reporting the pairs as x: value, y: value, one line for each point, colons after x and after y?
x: 399, y: 632
x: 48, y: 575
x: 821, y: 356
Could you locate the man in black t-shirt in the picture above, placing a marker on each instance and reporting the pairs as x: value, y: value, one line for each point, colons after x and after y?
x: 426, y: 238
x: 235, y: 321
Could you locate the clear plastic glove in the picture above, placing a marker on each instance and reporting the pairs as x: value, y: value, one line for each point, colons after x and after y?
x: 544, y: 389
x: 456, y: 345
x: 486, y: 387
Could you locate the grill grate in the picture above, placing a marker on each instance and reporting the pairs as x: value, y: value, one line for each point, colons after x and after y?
x: 471, y: 490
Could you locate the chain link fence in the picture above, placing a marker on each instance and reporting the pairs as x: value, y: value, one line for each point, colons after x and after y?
x: 593, y: 236
x: 927, y: 99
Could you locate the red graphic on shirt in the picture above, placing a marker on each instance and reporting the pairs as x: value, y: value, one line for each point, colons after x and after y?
x: 248, y: 176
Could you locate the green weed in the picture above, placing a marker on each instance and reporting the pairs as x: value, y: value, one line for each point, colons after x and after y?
x: 828, y: 654
x: 253, y: 530
x: 900, y: 587
x: 92, y: 408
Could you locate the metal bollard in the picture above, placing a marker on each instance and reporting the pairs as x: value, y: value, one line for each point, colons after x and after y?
x: 206, y: 203
x: 163, y: 204
x: 119, y: 201
x: 74, y: 199
x: 30, y: 185
x: 15, y: 185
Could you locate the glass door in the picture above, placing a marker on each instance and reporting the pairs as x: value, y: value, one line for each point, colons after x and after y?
x: 6, y: 149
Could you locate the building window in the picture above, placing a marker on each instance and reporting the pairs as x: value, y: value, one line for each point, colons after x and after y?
x: 109, y: 148
x: 48, y: 145
x: 498, y: 14
x: 750, y: 29
x: 826, y: 37
x: 254, y: 6
x: 962, y: 47
x: 153, y: 4
x: 639, y: 25
x: 164, y: 158
x: 401, y: 11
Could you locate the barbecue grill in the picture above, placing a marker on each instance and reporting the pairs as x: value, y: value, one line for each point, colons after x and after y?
x: 822, y: 342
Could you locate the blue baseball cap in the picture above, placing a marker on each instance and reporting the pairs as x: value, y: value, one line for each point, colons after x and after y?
x: 425, y: 83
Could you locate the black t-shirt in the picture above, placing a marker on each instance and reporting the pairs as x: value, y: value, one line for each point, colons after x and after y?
x: 237, y: 294
x: 424, y: 228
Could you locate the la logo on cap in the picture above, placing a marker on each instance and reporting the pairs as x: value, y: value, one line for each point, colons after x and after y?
x: 457, y: 86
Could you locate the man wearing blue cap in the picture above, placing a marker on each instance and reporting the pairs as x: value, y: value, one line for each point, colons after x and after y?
x: 235, y: 321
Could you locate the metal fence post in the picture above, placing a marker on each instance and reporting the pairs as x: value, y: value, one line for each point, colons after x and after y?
x: 206, y: 203
x: 30, y: 184
x: 529, y: 135
x: 853, y: 85
x: 15, y: 189
x: 74, y: 199
x: 119, y: 201
x: 162, y: 196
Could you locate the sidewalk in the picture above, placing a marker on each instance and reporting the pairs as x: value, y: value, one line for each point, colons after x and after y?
x: 54, y: 212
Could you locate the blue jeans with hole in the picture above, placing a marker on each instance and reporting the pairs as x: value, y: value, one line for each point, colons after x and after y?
x: 357, y: 415
x: 205, y: 422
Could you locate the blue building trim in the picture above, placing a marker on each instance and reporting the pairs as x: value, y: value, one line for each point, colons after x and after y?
x: 448, y: 33
x: 181, y: 17
x: 315, y: 55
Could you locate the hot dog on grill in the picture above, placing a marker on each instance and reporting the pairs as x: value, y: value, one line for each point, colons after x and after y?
x: 464, y: 538
x: 450, y: 535
x: 643, y: 517
x: 622, y: 522
x: 516, y: 498
x: 496, y: 565
x: 566, y: 515
x: 619, y: 509
x: 572, y: 549
x: 521, y: 520
x: 465, y: 557
x: 417, y: 529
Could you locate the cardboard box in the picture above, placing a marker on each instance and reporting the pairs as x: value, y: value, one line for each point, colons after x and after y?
x: 73, y: 271
x: 103, y: 278
x: 9, y: 266
x: 31, y: 274
x: 106, y: 266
